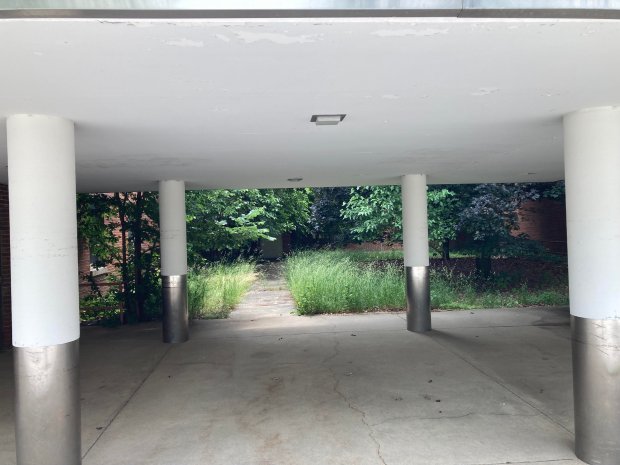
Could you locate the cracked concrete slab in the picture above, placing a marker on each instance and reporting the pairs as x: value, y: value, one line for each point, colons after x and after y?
x: 542, y: 353
x: 348, y: 389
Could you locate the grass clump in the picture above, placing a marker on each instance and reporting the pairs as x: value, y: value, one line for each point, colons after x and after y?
x: 339, y: 281
x: 333, y: 282
x: 369, y: 255
x: 455, y: 291
x: 214, y: 291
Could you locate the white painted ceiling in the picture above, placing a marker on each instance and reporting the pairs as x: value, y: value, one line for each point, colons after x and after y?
x: 227, y: 103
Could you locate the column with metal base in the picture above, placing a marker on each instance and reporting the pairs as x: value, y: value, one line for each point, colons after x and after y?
x: 173, y: 261
x: 415, y: 251
x: 592, y: 164
x: 44, y: 287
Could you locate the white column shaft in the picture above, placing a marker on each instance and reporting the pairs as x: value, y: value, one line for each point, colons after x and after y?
x: 172, y: 227
x: 42, y: 211
x: 592, y: 173
x: 415, y: 220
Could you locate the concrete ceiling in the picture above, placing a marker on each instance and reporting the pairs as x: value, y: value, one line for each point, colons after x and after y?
x: 227, y: 103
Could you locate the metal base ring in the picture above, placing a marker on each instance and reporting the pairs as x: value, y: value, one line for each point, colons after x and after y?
x: 418, y: 299
x: 596, y: 387
x: 175, y: 312
x: 47, y: 404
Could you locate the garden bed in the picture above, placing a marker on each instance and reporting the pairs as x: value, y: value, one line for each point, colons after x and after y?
x: 339, y: 281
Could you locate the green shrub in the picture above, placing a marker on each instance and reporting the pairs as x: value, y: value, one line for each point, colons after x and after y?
x: 104, y: 310
x: 214, y: 291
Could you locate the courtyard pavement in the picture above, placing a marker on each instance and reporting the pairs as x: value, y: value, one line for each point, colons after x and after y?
x: 267, y: 387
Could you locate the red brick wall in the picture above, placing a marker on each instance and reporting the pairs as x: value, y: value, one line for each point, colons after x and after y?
x: 544, y: 221
x: 83, y: 267
x: 5, y: 270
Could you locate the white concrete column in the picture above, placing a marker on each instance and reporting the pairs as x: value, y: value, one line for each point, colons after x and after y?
x: 592, y: 173
x: 173, y: 241
x: 44, y: 288
x: 415, y: 251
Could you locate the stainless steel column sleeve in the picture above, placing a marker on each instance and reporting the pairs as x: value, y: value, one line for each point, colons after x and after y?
x: 418, y: 299
x: 47, y: 404
x: 175, y: 312
x: 596, y: 386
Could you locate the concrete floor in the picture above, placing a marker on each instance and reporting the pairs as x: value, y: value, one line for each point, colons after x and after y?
x: 485, y: 387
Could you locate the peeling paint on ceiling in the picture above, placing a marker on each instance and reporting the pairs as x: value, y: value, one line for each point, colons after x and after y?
x: 227, y: 103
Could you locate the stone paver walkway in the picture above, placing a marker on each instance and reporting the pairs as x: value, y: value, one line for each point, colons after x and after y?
x: 268, y: 296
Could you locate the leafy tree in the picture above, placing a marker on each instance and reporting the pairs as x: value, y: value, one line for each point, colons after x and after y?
x: 94, y: 212
x: 553, y: 190
x: 327, y: 225
x: 490, y: 218
x: 375, y: 213
x: 486, y: 213
x: 286, y: 210
x: 137, y: 218
x: 122, y: 229
x: 443, y: 218
x: 228, y: 222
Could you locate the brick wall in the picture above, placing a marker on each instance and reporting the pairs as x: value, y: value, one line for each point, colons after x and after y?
x: 101, y: 277
x: 83, y: 267
x: 544, y: 221
x: 5, y: 270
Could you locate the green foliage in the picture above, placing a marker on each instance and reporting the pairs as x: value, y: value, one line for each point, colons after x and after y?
x: 553, y: 190
x: 490, y: 218
x: 221, y: 222
x: 373, y: 255
x: 134, y: 250
x: 137, y: 219
x: 214, y: 291
x: 330, y: 282
x: 455, y: 291
x: 286, y: 210
x: 334, y: 282
x: 102, y: 310
x: 95, y: 213
x: 218, y: 221
x: 375, y: 213
x: 327, y: 225
x: 444, y: 207
x: 486, y: 213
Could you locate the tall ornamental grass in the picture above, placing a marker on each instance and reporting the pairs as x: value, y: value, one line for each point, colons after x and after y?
x: 455, y: 291
x: 214, y: 291
x: 336, y: 282
x: 332, y: 282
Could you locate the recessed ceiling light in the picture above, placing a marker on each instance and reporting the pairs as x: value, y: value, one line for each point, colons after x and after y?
x: 295, y: 179
x: 325, y: 120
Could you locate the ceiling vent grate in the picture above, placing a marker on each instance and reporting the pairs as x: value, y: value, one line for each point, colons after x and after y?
x: 327, y: 120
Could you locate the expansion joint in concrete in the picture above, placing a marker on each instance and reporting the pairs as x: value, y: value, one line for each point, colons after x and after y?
x: 124, y: 404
